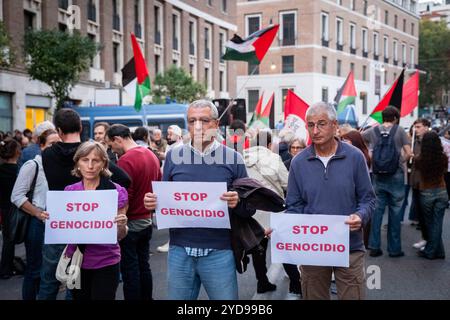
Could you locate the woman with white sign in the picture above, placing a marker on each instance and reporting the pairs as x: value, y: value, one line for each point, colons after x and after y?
x: 100, y: 266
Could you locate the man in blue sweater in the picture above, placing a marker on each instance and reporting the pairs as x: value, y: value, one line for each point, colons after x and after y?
x: 203, y: 255
x: 331, y: 177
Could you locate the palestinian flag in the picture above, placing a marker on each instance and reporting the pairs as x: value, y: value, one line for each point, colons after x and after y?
x: 410, y: 95
x: 257, y: 114
x: 392, y: 98
x: 135, y: 76
x: 295, y: 116
x: 262, y: 119
x: 253, y: 48
x: 346, y: 95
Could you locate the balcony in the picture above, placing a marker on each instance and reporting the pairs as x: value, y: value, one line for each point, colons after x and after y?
x: 138, y: 30
x: 116, y: 22
x: 365, y: 54
x: 353, y: 50
x: 325, y: 42
x: 92, y: 12
x: 339, y: 47
x: 376, y: 57
x: 158, y: 37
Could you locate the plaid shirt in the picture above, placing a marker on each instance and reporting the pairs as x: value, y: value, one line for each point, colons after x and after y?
x: 197, y: 252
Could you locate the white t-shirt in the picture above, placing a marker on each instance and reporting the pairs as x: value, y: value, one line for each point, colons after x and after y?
x: 325, y: 159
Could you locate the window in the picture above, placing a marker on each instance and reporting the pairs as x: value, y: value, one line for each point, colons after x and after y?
x: 364, y: 42
x: 404, y: 25
x: 365, y: 8
x: 116, y: 56
x: 207, y: 43
x: 92, y: 38
x: 253, y: 97
x: 92, y: 11
x: 339, y: 2
x: 221, y: 81
x: 324, y: 29
x: 253, y: 24
x: 324, y: 65
x: 191, y: 70
x: 363, y: 96
x: 288, y: 30
x: 325, y: 94
x: 62, y: 27
x: 412, y: 56
x: 352, y: 38
x: 176, y: 31
x: 364, y: 73
x: 137, y: 19
x: 412, y: 28
x: 395, y: 53
x: 386, y: 17
x: 222, y: 37
x: 192, y: 37
x: 386, y: 47
x: 158, y: 25
x: 338, y: 67
x: 395, y: 21
x: 210, y: 3
x: 385, y: 77
x: 253, y: 67
x: 287, y: 64
x: 6, y: 111
x: 404, y: 54
x: 29, y: 20
x: 352, y: 67
x: 224, y: 6
x: 339, y: 33
x: 207, y: 79
x: 375, y: 44
x: 63, y: 4
x: 352, y: 5
x: 116, y: 16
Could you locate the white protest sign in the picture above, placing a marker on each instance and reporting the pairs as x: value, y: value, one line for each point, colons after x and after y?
x: 81, y: 217
x: 191, y: 205
x: 307, y: 239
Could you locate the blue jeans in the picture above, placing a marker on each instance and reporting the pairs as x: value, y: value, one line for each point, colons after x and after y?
x: 405, y: 201
x: 33, y: 249
x: 216, y: 271
x: 49, y: 287
x: 434, y: 203
x: 134, y: 265
x: 390, y: 191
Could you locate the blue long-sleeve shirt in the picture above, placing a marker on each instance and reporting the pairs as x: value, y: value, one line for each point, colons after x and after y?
x: 342, y: 188
x: 218, y: 164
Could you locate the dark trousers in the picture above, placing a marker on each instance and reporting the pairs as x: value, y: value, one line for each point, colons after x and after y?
x: 7, y: 262
x: 447, y: 183
x: 135, y: 266
x: 259, y: 260
x: 98, y: 284
x: 294, y: 277
x: 33, y: 249
x: 418, y: 209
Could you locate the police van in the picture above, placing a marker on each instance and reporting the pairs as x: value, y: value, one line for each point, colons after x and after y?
x: 153, y: 116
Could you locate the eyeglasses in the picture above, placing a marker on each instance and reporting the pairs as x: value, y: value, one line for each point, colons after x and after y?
x: 320, y: 125
x: 203, y: 121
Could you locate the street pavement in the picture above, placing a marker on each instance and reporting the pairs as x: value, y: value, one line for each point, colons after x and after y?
x: 408, y: 277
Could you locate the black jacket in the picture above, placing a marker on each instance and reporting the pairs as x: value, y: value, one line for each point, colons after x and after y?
x: 247, y: 233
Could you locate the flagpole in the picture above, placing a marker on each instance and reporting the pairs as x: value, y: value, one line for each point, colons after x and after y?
x: 237, y: 95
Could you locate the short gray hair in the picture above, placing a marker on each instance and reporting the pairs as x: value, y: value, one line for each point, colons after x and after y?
x: 320, y: 107
x: 205, y: 104
x: 84, y: 149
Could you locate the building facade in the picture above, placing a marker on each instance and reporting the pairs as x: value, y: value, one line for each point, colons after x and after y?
x: 189, y: 33
x: 320, y: 42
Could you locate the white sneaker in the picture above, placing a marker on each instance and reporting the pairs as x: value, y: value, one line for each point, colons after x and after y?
x: 420, y: 244
x: 293, y: 296
x: 163, y: 248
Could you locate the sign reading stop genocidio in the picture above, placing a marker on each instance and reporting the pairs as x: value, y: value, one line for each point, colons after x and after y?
x: 306, y: 239
x: 81, y: 217
x: 191, y: 205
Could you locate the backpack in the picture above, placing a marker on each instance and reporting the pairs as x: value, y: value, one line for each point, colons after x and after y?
x: 385, y: 156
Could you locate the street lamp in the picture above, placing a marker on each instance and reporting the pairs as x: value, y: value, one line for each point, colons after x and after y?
x: 273, y: 66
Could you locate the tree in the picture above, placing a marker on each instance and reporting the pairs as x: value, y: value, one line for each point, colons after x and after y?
x: 7, y: 56
x: 434, y: 58
x: 58, y: 58
x: 177, y: 84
